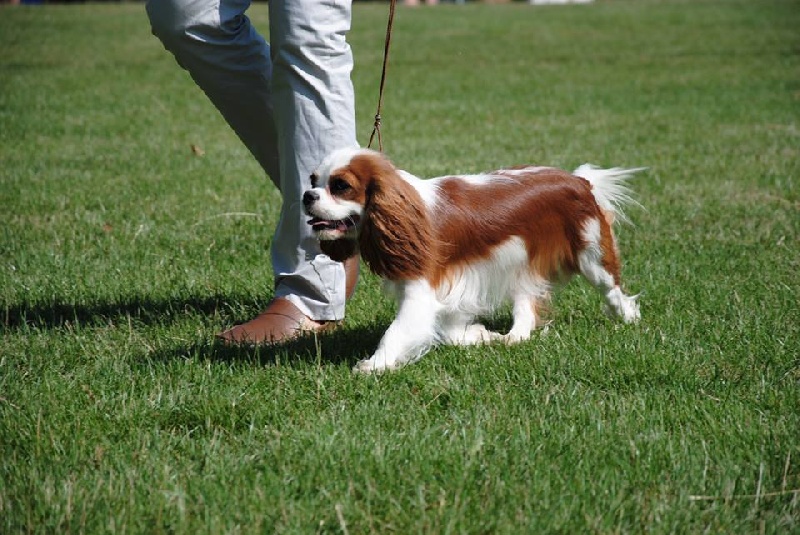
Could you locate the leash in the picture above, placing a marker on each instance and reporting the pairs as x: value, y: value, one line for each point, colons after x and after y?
x: 376, y: 129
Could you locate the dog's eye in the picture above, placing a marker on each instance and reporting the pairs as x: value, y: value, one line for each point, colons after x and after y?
x: 338, y: 186
x: 314, y: 179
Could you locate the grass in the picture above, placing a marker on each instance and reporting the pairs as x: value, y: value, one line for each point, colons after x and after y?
x: 122, y: 252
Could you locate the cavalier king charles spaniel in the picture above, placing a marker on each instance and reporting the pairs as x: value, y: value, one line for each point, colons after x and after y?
x: 454, y: 248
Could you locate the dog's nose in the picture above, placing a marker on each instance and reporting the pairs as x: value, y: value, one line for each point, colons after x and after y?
x: 309, y: 197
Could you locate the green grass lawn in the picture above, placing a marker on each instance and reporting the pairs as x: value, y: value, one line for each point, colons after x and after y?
x: 122, y: 252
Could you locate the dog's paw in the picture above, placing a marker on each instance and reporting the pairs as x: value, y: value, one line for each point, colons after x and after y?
x: 628, y: 311
x: 475, y: 334
x: 372, y: 365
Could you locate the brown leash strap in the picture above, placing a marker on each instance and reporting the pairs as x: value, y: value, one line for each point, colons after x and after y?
x: 376, y: 129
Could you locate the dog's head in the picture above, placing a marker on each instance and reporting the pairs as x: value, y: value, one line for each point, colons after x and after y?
x: 359, y: 201
x: 340, y: 190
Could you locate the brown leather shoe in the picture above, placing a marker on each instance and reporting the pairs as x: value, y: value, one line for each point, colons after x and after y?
x: 282, y: 321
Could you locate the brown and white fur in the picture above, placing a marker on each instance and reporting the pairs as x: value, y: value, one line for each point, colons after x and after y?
x: 454, y: 248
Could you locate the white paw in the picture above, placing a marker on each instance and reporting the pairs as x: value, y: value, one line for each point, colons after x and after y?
x: 628, y: 312
x: 632, y: 315
x: 624, y: 307
x: 372, y: 365
x: 479, y: 334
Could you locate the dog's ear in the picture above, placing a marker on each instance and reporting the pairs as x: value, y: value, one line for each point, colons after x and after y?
x: 396, y: 239
x: 339, y: 250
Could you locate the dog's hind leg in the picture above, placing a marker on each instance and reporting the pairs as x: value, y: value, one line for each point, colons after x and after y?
x: 599, y: 263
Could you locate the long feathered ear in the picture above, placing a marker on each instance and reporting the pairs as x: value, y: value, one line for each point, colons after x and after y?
x: 339, y: 250
x: 396, y: 238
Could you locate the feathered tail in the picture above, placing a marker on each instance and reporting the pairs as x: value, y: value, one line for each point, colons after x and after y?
x: 609, y: 187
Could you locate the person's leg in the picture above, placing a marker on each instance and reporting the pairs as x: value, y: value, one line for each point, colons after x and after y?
x: 315, y: 114
x: 215, y: 42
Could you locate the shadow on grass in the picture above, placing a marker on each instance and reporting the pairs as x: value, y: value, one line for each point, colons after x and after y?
x: 344, y: 345
x: 147, y: 311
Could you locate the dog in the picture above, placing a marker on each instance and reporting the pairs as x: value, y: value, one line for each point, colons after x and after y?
x: 454, y: 248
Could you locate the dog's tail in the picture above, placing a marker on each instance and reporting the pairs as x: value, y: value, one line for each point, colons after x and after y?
x: 609, y: 187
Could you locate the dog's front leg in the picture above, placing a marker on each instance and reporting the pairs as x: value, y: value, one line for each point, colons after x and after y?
x: 411, y: 333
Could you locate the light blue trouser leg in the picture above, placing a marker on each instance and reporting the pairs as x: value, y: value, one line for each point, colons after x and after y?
x: 293, y: 99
